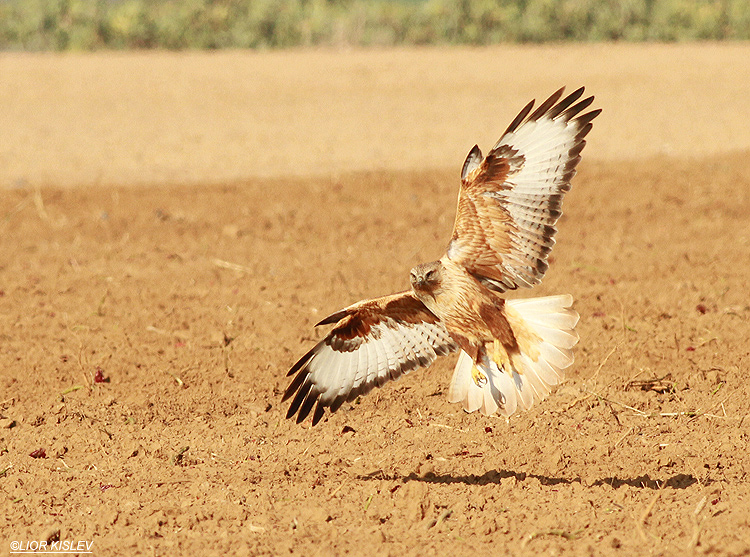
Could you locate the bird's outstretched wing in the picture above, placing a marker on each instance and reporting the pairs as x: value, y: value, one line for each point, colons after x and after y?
x: 373, y: 341
x: 510, y: 201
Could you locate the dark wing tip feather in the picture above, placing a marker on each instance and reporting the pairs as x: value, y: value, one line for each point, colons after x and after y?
x: 301, y: 375
x: 302, y: 393
x: 550, y: 102
x: 318, y: 414
x: 584, y: 121
x: 563, y: 105
x: 575, y: 152
x: 334, y: 317
x: 520, y: 118
x: 302, y: 362
x: 584, y: 132
x: 336, y: 404
x: 307, y: 405
x: 577, y: 108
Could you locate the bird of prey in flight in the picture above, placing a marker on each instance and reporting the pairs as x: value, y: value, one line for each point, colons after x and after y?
x: 512, y: 351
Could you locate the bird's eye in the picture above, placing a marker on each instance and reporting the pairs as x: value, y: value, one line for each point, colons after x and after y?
x: 431, y: 275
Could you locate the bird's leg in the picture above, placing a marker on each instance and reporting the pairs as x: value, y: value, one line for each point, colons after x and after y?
x: 480, y: 379
x: 500, y: 355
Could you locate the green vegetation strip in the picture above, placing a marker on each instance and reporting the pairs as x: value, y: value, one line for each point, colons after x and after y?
x: 214, y: 24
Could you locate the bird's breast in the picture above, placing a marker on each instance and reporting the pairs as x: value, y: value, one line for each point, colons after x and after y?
x: 460, y: 302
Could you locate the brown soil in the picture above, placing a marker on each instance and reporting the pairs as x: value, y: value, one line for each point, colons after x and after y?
x: 154, y: 294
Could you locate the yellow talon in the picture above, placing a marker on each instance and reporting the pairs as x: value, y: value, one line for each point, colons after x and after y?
x: 480, y: 379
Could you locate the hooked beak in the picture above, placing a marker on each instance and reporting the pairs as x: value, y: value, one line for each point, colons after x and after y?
x: 420, y: 285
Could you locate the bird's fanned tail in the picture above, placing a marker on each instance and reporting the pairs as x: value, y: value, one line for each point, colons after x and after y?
x: 503, y: 383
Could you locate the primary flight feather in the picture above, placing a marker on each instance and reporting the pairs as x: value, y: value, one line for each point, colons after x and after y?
x: 512, y: 351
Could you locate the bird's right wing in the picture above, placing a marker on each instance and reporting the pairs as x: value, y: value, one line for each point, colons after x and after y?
x: 510, y: 200
x: 373, y: 341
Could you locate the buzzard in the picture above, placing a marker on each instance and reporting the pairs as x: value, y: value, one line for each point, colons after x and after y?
x: 512, y: 351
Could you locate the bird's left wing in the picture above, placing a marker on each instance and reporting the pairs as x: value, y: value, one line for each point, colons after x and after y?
x: 373, y: 341
x: 510, y: 201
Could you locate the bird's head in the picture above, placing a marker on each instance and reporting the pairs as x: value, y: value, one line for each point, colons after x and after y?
x: 426, y: 279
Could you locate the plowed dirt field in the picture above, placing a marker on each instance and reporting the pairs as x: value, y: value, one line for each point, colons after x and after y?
x: 172, y: 226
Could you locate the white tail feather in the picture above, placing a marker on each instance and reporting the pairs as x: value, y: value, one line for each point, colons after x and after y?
x: 530, y: 376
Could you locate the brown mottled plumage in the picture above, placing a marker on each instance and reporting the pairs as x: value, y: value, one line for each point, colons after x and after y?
x: 512, y: 351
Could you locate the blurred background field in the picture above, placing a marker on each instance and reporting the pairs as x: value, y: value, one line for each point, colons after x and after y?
x: 215, y: 24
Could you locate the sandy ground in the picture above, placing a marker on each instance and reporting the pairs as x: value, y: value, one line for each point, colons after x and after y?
x: 174, y: 224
